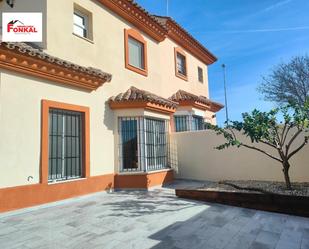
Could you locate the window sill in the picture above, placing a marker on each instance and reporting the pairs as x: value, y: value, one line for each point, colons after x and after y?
x: 84, y: 38
x: 137, y: 70
x: 144, y: 173
x: 181, y: 76
x: 67, y: 181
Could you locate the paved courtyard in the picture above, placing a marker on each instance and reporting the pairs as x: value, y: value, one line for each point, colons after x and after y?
x: 154, y: 219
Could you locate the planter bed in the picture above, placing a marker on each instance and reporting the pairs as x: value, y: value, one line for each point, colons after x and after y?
x: 282, y: 203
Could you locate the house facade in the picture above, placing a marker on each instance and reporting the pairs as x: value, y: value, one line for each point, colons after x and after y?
x: 91, y: 107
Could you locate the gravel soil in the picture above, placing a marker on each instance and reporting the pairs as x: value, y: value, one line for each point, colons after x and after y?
x: 299, y: 189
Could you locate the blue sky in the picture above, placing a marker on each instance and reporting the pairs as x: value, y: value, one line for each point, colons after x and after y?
x: 249, y: 36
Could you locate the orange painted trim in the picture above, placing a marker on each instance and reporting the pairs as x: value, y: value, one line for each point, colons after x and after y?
x: 194, y: 104
x: 179, y: 75
x: 46, y: 105
x: 186, y: 41
x: 128, y: 10
x: 215, y: 107
x: 141, y: 104
x: 212, y: 106
x: 141, y: 181
x: 36, y: 194
x: 14, y: 60
x: 136, y: 36
x: 133, y: 14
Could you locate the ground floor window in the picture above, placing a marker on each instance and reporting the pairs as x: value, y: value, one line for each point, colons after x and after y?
x: 182, y: 123
x: 65, y: 145
x: 197, y: 123
x: 188, y: 123
x: 143, y: 144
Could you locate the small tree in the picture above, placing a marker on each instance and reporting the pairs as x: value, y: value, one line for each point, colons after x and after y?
x: 288, y: 82
x: 263, y: 128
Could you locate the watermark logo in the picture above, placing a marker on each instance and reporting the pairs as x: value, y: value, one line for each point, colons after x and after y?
x: 22, y: 27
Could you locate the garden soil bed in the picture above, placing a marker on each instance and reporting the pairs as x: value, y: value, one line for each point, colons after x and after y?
x: 269, y: 196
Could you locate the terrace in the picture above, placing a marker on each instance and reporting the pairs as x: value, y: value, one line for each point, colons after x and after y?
x: 154, y: 219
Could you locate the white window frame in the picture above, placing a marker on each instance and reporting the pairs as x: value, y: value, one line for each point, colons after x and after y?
x: 86, y: 25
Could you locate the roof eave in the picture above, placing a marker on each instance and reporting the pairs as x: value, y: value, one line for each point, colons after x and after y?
x: 136, y: 15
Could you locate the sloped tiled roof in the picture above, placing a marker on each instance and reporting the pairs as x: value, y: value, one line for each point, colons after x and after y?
x: 28, y: 50
x: 182, y: 95
x: 172, y: 26
x: 135, y: 94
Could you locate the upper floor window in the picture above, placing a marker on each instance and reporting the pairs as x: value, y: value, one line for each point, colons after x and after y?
x: 135, y: 52
x: 181, y: 64
x: 82, y: 20
x: 200, y: 74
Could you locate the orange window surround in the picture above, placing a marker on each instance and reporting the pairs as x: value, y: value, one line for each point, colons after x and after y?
x: 135, y: 35
x: 46, y: 105
x: 179, y: 51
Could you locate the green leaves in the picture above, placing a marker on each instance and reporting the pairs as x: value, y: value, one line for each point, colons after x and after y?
x: 264, y: 127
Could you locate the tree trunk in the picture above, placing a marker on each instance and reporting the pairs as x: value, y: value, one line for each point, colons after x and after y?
x: 286, y: 167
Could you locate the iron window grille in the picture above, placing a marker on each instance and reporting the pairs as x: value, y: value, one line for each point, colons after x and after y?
x: 197, y: 123
x: 65, y: 145
x: 188, y: 123
x: 143, y: 144
x: 182, y: 123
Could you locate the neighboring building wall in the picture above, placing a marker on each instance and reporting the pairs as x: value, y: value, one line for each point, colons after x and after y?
x: 196, y: 158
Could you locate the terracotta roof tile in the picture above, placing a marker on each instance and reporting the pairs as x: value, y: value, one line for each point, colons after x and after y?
x: 135, y: 94
x: 182, y: 95
x: 34, y: 52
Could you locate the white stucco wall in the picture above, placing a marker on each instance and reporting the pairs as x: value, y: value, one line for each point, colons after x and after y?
x: 20, y: 95
x: 195, y: 158
x: 20, y: 130
x: 107, y: 51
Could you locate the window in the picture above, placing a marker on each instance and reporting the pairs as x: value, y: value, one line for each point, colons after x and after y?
x: 200, y: 75
x: 188, y: 123
x: 180, y: 64
x: 135, y: 52
x: 65, y: 145
x: 143, y: 144
x: 129, y: 141
x: 156, y: 144
x: 182, y: 123
x: 197, y: 123
x: 82, y: 22
x: 65, y: 142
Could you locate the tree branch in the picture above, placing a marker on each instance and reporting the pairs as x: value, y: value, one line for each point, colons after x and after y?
x: 262, y: 151
x: 282, y: 134
x: 298, y: 149
x: 270, y: 144
x: 292, y: 140
x: 286, y: 134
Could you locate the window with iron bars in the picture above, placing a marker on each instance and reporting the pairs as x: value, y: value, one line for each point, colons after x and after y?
x: 65, y: 145
x: 143, y: 144
x: 188, y: 123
